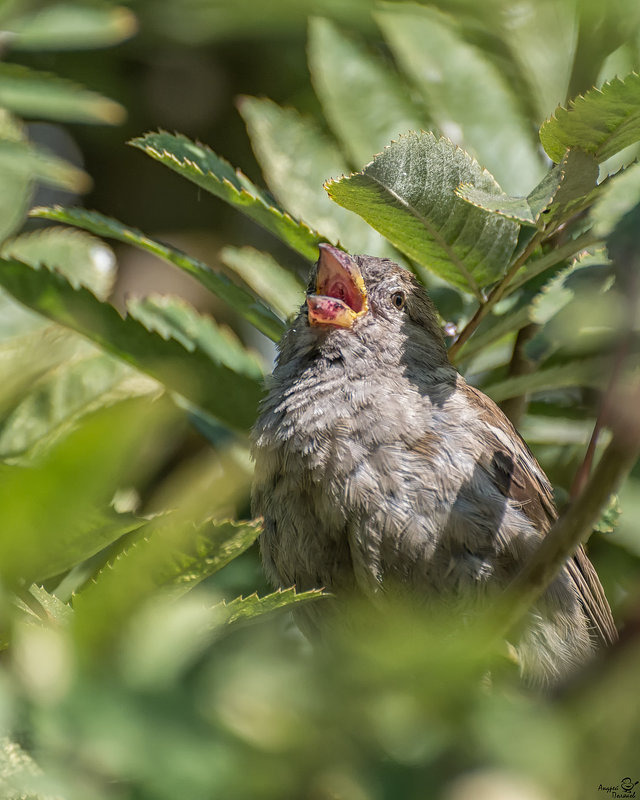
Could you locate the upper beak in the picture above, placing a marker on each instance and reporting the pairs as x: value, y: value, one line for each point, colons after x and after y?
x: 340, y: 296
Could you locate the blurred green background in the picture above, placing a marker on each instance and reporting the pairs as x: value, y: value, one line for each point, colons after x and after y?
x: 148, y: 690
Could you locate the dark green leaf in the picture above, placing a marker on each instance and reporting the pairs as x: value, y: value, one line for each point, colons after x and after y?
x: 202, y: 166
x: 236, y: 297
x: 408, y: 194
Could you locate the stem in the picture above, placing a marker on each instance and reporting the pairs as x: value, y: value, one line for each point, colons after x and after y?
x: 514, y: 407
x: 495, y: 295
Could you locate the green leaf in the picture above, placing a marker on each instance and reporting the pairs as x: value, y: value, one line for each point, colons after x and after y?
x: 230, y: 396
x: 408, y: 194
x: 81, y: 258
x: 562, y: 191
x: 466, y: 95
x: 29, y: 163
x: 173, y: 555
x: 68, y: 27
x: 618, y: 196
x: 202, y: 166
x: 364, y: 100
x: 30, y: 93
x: 55, y: 610
x: 62, y: 395
x: 542, y: 37
x: 593, y: 372
x: 279, y: 288
x: 67, y: 517
x: 15, y: 182
x: 236, y: 297
x: 601, y: 122
x: 247, y: 608
x: 175, y: 318
x: 296, y: 159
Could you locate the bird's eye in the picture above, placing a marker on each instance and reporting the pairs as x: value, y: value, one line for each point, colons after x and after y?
x: 398, y: 299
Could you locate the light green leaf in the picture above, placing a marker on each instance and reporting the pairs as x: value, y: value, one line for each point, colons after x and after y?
x: 617, y: 197
x: 15, y: 182
x: 408, y: 194
x: 173, y: 555
x: 63, y: 26
x: 230, y: 396
x: 81, y: 258
x: 593, y: 372
x: 175, y: 318
x: 466, y: 95
x: 278, y: 287
x: 601, y: 122
x: 68, y: 518
x: 364, y: 100
x: 247, y: 608
x: 542, y: 37
x: 40, y: 94
x: 558, y: 431
x: 65, y: 393
x: 236, y: 297
x: 296, y: 159
x: 29, y: 163
x: 56, y: 611
x: 202, y: 166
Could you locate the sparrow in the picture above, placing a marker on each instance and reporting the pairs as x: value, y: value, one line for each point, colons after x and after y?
x: 380, y: 470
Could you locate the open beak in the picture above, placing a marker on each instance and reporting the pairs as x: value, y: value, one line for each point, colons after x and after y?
x: 340, y: 296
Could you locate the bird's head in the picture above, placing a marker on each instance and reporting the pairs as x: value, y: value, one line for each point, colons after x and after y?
x: 373, y: 301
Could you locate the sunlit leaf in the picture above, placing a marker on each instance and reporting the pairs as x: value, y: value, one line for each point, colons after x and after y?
x: 81, y: 258
x: 237, y: 298
x: 246, y: 608
x: 278, y: 287
x: 466, y: 95
x: 408, y: 194
x: 40, y: 94
x: 602, y: 121
x: 296, y: 159
x: 202, y: 166
x: 364, y: 100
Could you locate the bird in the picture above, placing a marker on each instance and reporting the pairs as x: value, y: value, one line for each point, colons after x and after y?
x: 379, y: 470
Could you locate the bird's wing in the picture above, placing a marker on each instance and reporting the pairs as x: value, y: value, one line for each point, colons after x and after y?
x: 520, y: 478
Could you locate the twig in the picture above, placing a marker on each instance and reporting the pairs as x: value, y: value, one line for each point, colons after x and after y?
x: 495, y: 295
x: 514, y: 407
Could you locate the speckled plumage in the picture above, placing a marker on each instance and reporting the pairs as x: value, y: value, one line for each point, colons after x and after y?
x: 377, y: 466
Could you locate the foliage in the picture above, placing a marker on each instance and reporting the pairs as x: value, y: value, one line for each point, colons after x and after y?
x: 141, y: 661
